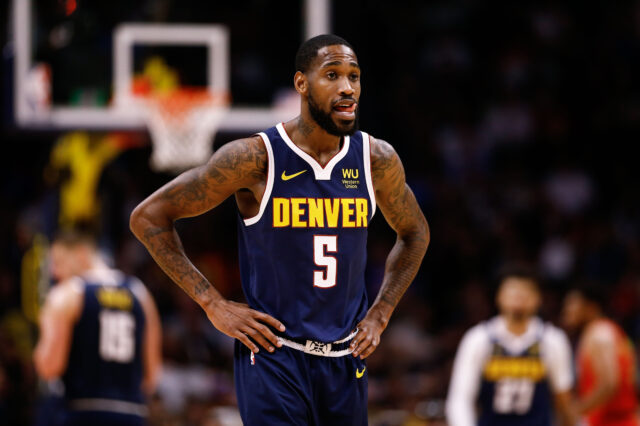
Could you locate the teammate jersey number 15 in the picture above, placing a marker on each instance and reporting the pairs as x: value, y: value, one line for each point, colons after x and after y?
x: 117, y: 336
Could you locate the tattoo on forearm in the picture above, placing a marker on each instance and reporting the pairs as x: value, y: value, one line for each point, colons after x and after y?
x: 239, y: 163
x: 401, y: 210
x: 167, y: 251
x: 152, y: 232
x: 401, y: 268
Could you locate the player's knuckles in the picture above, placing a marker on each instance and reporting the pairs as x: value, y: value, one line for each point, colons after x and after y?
x: 257, y: 314
x: 265, y: 330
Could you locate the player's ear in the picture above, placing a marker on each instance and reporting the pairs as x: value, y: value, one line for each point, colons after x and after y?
x: 300, y: 83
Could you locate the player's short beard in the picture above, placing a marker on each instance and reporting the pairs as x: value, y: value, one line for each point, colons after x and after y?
x: 519, y: 315
x: 325, y: 121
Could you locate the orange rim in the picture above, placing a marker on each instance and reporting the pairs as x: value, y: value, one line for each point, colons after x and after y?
x: 178, y: 102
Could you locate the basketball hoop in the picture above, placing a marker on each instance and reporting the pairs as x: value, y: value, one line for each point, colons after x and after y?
x: 181, y: 123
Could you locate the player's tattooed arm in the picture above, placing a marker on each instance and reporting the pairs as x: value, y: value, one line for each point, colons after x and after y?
x: 400, y: 208
x: 238, y: 165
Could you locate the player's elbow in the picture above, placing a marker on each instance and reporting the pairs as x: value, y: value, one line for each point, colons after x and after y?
x: 152, y: 369
x: 425, y: 233
x: 136, y: 220
x: 151, y: 378
x: 48, y: 372
x: 142, y: 218
x: 419, y: 235
x: 47, y: 367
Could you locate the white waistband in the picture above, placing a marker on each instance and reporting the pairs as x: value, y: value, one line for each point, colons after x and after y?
x: 313, y: 347
x: 110, y: 405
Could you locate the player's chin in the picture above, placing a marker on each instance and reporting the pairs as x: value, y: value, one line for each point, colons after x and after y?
x: 345, y: 126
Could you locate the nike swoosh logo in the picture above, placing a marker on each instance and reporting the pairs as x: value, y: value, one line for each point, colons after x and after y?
x: 359, y: 374
x: 285, y: 177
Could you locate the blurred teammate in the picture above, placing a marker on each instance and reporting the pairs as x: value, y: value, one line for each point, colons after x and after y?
x: 306, y: 191
x: 606, y: 363
x: 100, y: 332
x: 514, y: 368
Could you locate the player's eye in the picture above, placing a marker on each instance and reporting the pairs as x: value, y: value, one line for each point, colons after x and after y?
x: 331, y: 75
x: 354, y: 77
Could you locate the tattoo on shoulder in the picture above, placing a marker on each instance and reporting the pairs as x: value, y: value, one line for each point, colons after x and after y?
x: 242, y: 159
x: 383, y: 159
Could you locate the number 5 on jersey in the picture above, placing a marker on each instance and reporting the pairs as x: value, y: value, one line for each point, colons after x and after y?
x: 323, y: 244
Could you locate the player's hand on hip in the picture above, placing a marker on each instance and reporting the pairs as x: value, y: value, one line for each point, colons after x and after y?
x: 369, y: 331
x: 239, y: 321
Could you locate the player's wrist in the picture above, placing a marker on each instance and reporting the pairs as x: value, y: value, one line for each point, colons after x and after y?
x: 211, y: 300
x: 381, y: 312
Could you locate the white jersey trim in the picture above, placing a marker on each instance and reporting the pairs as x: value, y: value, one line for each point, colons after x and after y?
x: 269, y: 185
x: 366, y: 155
x: 109, y: 405
x: 321, y: 173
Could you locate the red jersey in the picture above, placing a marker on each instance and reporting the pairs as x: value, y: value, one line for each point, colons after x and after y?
x: 621, y: 409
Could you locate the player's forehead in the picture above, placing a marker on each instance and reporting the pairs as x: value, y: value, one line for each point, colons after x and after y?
x: 63, y: 249
x: 574, y: 297
x: 514, y: 283
x: 335, y: 55
x: 58, y: 248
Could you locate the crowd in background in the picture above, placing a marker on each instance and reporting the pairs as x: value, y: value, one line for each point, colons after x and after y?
x: 516, y: 123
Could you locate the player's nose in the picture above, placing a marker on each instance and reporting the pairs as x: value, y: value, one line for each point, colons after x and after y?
x: 346, y: 88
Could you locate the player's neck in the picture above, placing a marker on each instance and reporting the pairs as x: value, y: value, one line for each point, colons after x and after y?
x: 310, y: 137
x: 516, y: 327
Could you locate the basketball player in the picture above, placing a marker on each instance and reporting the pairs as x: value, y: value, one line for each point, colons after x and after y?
x: 514, y: 368
x: 606, y: 363
x: 100, y: 332
x: 306, y: 191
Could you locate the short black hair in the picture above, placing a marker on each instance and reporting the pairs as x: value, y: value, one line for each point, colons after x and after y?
x: 308, y: 50
x: 519, y: 270
x: 73, y: 237
x: 592, y: 291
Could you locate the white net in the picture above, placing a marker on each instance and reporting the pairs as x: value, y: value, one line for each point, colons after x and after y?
x: 182, y: 126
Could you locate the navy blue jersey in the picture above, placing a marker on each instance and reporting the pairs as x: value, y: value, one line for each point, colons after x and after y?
x: 105, y: 361
x: 515, y: 388
x: 303, y: 256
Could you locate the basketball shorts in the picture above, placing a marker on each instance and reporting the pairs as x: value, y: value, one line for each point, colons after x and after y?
x: 290, y: 387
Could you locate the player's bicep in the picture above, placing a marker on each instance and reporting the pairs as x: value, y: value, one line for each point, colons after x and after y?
x: 56, y: 332
x: 557, y: 355
x: 236, y: 165
x: 152, y: 336
x: 394, y: 197
x: 602, y: 348
x: 465, y: 377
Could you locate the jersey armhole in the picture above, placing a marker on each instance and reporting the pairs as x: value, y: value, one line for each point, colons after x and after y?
x: 366, y: 155
x: 269, y: 185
